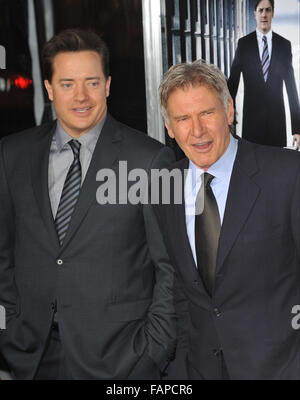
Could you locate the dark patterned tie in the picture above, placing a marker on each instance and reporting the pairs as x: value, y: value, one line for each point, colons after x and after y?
x: 265, y: 60
x: 69, y: 194
x: 207, y: 233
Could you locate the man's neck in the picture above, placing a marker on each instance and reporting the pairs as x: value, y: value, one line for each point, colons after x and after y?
x: 264, y: 32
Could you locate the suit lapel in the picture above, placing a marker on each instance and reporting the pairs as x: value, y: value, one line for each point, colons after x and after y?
x: 106, y: 152
x: 255, y: 57
x: 241, y: 198
x: 273, y: 56
x: 39, y: 173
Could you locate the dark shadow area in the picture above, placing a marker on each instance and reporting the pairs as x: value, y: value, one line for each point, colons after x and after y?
x: 16, y: 93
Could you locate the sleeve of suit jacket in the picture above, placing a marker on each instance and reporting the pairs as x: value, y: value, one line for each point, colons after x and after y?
x: 295, y: 212
x: 8, y: 291
x: 160, y: 328
x: 177, y: 368
x: 235, y: 74
x: 292, y: 92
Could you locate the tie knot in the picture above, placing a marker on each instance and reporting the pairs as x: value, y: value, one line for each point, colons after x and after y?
x: 264, y: 39
x: 75, y: 146
x: 207, y: 179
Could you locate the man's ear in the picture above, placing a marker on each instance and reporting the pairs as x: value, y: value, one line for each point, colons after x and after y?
x: 170, y: 132
x: 107, y: 86
x: 230, y: 112
x: 49, y: 89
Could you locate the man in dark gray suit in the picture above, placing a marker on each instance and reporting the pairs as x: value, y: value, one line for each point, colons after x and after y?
x: 87, y: 287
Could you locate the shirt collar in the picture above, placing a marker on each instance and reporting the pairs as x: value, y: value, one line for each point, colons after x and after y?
x: 222, y: 168
x: 260, y: 35
x: 89, y: 139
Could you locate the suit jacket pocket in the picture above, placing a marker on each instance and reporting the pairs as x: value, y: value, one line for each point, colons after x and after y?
x: 128, y: 311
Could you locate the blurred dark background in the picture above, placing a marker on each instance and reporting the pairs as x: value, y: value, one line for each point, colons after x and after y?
x: 16, y: 92
x: 118, y: 22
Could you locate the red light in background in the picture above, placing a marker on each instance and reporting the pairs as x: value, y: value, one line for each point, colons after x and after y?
x: 22, y: 83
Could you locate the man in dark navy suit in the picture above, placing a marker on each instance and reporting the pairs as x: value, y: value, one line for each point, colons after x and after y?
x: 265, y: 60
x: 234, y: 241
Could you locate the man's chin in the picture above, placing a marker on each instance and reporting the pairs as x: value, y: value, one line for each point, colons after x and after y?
x: 77, y: 130
x: 202, y: 163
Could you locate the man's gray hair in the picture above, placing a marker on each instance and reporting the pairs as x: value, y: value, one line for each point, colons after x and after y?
x: 198, y: 73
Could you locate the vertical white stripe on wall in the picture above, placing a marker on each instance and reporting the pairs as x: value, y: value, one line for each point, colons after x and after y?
x: 38, y: 100
x: 153, y: 66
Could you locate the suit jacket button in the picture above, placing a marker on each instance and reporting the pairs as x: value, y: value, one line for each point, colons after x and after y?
x: 59, y: 262
x: 217, y: 312
x: 217, y: 353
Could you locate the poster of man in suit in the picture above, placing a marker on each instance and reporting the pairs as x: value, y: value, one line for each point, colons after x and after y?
x: 264, y: 59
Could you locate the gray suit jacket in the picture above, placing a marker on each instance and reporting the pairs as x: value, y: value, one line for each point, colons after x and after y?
x: 114, y: 287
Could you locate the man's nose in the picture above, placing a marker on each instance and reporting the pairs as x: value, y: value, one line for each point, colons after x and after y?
x: 198, y: 127
x: 81, y: 93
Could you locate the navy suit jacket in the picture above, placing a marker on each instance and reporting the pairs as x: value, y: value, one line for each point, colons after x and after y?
x: 257, y: 277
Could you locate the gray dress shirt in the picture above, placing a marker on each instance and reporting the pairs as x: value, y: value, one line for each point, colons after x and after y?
x: 61, y: 158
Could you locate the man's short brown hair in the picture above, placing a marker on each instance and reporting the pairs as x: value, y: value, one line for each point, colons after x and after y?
x: 257, y: 4
x: 73, y: 40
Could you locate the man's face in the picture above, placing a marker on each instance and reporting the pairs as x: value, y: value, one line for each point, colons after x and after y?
x: 264, y: 14
x: 79, y: 91
x: 199, y: 124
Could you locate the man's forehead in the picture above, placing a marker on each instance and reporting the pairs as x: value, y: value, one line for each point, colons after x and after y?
x: 264, y: 4
x: 207, y: 99
x: 79, y: 53
x: 88, y: 62
x: 190, y: 86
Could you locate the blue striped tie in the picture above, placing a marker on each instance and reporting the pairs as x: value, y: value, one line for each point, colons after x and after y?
x: 265, y: 60
x: 69, y: 194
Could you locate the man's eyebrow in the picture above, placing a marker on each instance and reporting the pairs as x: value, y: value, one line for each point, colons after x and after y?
x: 87, y: 79
x: 66, y: 80
x: 180, y: 116
x: 93, y: 78
x: 201, y: 112
x: 209, y: 109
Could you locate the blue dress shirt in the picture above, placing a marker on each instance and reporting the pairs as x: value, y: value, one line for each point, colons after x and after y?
x: 221, y: 170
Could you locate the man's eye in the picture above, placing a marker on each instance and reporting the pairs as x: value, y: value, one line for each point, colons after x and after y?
x: 94, y: 84
x: 66, y: 85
